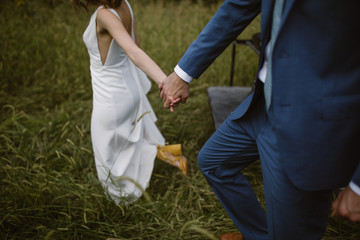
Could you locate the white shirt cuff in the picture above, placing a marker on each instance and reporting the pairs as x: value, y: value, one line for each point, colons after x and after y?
x: 355, y: 188
x: 183, y: 75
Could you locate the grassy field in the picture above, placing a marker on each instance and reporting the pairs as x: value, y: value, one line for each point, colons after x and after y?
x: 49, y: 188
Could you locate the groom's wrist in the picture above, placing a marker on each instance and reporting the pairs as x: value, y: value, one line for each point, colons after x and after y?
x: 182, y: 74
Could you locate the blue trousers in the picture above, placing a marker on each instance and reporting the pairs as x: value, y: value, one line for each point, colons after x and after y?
x: 291, y: 213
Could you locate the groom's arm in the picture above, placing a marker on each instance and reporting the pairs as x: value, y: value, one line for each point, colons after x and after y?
x: 230, y: 20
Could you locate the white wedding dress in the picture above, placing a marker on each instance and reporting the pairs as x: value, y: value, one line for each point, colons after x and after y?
x: 123, y: 130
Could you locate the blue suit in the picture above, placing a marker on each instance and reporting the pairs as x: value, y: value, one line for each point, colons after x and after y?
x: 311, y: 131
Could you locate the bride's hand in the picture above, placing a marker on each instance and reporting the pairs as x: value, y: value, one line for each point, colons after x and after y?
x: 173, y: 90
x: 175, y: 103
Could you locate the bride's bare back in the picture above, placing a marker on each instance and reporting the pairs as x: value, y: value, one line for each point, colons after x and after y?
x: 103, y: 35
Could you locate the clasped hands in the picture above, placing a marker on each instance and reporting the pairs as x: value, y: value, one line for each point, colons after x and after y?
x: 173, y: 91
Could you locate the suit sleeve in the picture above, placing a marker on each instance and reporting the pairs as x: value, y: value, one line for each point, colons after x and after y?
x: 230, y: 20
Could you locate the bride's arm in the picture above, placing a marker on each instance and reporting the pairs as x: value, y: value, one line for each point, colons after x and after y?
x: 108, y: 21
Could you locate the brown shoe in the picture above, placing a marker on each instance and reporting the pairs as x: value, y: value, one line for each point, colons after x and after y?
x: 232, y: 236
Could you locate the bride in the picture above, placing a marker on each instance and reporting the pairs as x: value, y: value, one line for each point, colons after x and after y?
x: 124, y: 136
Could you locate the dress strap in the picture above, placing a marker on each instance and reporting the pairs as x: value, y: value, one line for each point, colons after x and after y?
x: 114, y: 12
x: 132, y: 19
x: 130, y: 9
x: 100, y: 7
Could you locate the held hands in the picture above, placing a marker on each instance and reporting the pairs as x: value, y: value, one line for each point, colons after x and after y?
x: 173, y: 90
x: 347, y: 205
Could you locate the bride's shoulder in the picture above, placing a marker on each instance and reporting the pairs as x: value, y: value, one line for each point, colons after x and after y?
x: 105, y: 13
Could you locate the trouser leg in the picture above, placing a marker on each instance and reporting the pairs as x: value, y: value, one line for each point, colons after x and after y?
x: 228, y: 151
x: 292, y: 213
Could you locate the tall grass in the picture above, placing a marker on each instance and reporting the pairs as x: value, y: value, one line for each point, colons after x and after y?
x: 49, y: 187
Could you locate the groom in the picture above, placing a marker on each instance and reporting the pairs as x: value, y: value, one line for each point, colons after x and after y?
x: 302, y: 120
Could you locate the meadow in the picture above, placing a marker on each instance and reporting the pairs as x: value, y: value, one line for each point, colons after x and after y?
x: 49, y: 188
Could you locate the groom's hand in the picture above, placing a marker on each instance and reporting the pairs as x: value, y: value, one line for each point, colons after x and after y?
x: 173, y: 90
x: 347, y: 205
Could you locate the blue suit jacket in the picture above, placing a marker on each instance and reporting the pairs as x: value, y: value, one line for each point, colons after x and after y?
x: 316, y: 82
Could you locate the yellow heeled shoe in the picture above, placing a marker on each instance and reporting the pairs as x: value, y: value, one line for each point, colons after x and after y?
x: 174, y: 149
x: 172, y: 154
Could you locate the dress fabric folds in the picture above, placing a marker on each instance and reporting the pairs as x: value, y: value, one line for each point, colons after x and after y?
x: 123, y: 131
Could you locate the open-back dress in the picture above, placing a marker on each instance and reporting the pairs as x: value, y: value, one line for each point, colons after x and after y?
x: 123, y: 131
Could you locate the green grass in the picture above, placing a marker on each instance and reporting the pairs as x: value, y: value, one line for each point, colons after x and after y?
x: 49, y: 188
